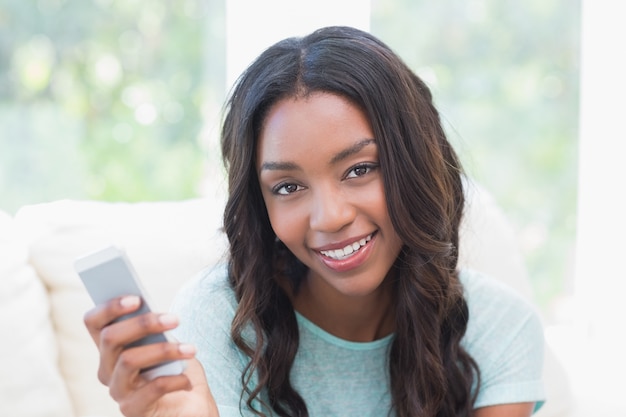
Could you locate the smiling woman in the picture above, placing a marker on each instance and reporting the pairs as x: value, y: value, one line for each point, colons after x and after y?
x: 344, y: 205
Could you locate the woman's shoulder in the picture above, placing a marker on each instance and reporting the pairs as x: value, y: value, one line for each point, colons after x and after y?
x: 499, y: 317
x: 213, y: 278
x: 504, y: 336
x: 485, y: 293
x: 208, y: 291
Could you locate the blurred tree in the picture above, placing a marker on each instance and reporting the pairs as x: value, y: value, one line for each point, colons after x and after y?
x: 106, y: 99
x: 505, y: 77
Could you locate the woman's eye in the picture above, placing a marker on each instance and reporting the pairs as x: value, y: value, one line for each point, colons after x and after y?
x: 360, y: 170
x: 286, y: 189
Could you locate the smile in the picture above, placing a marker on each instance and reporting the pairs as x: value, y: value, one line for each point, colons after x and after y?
x: 348, y: 250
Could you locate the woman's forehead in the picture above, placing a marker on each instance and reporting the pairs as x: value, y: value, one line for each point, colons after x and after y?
x: 312, y: 124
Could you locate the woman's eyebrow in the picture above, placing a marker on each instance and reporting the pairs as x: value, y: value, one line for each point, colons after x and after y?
x: 279, y: 166
x: 340, y: 156
x: 354, y: 149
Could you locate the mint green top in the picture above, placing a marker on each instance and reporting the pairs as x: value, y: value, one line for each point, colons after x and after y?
x: 340, y: 378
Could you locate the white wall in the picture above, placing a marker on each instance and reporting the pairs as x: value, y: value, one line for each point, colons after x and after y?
x: 601, y: 277
x: 600, y: 289
x: 253, y: 25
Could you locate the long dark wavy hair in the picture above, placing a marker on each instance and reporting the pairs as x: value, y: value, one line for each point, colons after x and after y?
x: 431, y: 374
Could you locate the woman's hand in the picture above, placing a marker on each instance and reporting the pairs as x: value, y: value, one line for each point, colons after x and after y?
x: 170, y: 396
x: 505, y: 410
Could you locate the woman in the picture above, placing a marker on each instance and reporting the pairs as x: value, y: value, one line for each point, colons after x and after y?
x: 341, y: 296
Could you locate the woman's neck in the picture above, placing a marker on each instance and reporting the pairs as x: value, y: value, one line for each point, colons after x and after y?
x: 357, y: 319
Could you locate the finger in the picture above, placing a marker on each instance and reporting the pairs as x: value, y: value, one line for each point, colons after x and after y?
x: 126, y: 375
x: 115, y: 338
x: 123, y: 333
x: 102, y: 315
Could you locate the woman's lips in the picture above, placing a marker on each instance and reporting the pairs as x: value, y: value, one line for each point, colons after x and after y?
x: 350, y: 256
x: 345, y: 251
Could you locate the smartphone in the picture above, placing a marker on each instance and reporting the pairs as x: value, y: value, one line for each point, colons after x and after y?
x: 107, y: 274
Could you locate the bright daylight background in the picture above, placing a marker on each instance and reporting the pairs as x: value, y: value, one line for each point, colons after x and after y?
x: 120, y: 100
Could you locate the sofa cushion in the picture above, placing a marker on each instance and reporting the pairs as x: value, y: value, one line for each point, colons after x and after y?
x: 488, y: 242
x: 31, y: 384
x: 167, y: 242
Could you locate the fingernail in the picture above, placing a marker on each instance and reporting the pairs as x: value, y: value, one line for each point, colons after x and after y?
x: 130, y: 301
x: 187, y: 349
x: 168, y: 319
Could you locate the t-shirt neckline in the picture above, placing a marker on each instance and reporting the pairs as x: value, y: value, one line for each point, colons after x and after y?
x: 337, y: 341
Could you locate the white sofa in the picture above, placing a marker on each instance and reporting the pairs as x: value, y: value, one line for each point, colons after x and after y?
x: 47, y: 360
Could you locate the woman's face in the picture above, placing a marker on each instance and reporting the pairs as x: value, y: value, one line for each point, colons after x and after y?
x: 319, y: 173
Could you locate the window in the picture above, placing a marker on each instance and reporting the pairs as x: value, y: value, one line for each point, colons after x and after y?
x: 121, y: 100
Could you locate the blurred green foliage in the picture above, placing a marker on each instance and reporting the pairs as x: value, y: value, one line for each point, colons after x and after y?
x: 111, y: 99
x: 105, y: 99
x: 504, y: 75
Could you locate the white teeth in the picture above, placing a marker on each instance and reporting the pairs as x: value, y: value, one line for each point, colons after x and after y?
x: 348, y: 250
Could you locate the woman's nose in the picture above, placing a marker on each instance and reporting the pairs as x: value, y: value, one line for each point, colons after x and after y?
x: 330, y: 211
